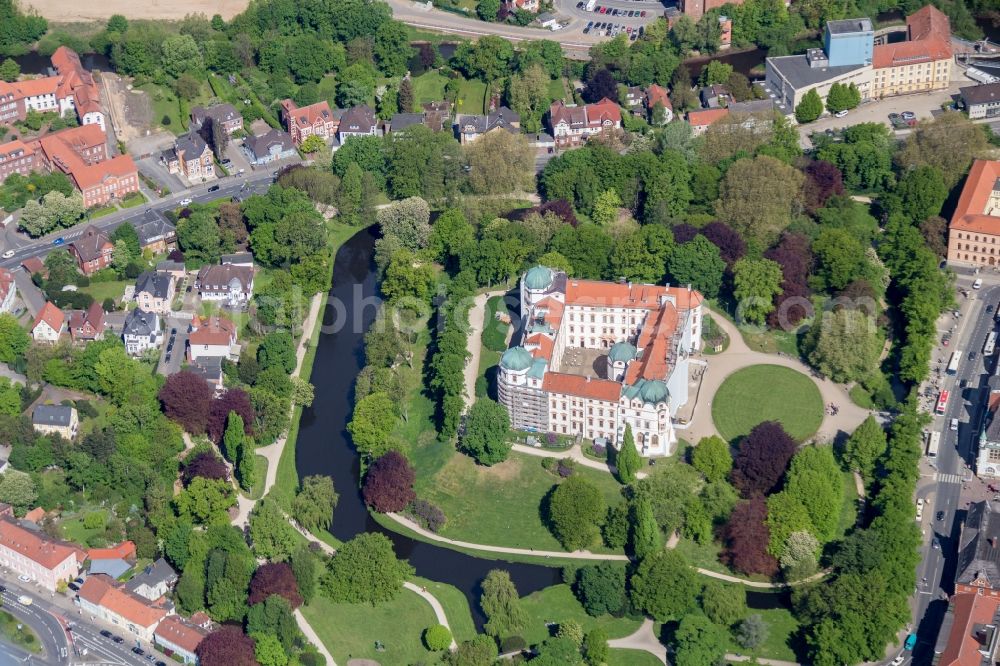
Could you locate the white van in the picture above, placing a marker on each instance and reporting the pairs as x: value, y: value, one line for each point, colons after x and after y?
x: 954, y: 424
x: 978, y: 283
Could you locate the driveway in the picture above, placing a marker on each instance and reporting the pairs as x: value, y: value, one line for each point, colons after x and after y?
x: 739, y: 356
x: 172, y: 352
x: 151, y: 168
x: 31, y: 296
x: 234, y: 151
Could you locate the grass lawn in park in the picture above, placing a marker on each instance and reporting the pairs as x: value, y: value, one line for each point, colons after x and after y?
x: 631, y: 658
x: 781, y: 626
x: 767, y: 393
x: 498, y: 505
x: 558, y: 604
x: 350, y: 630
x: 456, y: 607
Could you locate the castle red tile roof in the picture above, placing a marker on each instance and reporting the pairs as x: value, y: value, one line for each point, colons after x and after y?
x: 584, y: 387
x: 654, y: 341
x: 76, y: 81
x: 182, y: 634
x: 970, y: 213
x: 101, y: 591
x: 627, y: 295
x: 34, y: 546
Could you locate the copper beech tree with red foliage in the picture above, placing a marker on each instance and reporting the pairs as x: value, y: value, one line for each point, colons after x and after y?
x: 762, y: 459
x: 746, y: 536
x: 389, y: 483
x: 795, y: 257
x: 275, y: 578
x: 233, y: 400
x: 186, y: 399
x: 204, y: 464
x: 228, y: 646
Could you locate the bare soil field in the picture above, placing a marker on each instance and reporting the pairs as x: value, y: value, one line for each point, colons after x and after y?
x: 70, y: 11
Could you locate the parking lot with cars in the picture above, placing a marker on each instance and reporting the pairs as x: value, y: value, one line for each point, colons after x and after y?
x: 613, y: 21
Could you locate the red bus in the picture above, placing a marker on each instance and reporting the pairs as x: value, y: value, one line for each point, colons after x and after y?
x: 942, y: 402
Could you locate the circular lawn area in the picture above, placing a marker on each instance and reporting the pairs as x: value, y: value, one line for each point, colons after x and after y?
x: 767, y: 393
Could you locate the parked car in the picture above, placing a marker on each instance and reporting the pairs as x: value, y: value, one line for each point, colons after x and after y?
x: 953, y: 426
x: 105, y: 633
x: 937, y: 543
x: 24, y: 579
x: 118, y: 639
x: 908, y: 115
x: 74, y: 587
x: 973, y: 355
x: 185, y: 202
x: 940, y: 515
x: 898, y: 660
x: 138, y: 650
x: 214, y: 188
x: 978, y: 284
x: 840, y: 114
x: 642, y: 14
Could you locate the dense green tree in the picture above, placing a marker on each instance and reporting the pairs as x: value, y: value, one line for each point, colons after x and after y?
x: 487, y: 429
x: 847, y: 345
x: 752, y: 632
x: 206, y: 501
x: 501, y: 605
x: 487, y: 9
x: 947, y: 143
x: 921, y: 192
x: 627, y: 460
x: 712, y: 458
x: 699, y: 642
x: 699, y: 264
x: 785, y: 514
x: 14, y: 340
x: 755, y: 284
x: 371, y: 425
x: 815, y: 478
x: 809, y: 108
x: 274, y: 617
x: 646, y: 537
x: 9, y: 70
x: 757, y: 198
x: 272, y: 537
x: 865, y: 446
x: 665, y: 586
x: 391, y: 47
x: 365, y: 570
x: 576, y: 511
x: 724, y: 604
x: 277, y: 349
x: 314, y: 504
x: 487, y: 59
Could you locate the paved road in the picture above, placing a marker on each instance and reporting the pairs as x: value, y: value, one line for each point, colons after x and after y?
x: 941, y: 482
x: 256, y: 183
x: 49, y: 616
x: 575, y: 44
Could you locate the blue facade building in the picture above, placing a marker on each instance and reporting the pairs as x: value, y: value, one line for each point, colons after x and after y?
x: 849, y: 42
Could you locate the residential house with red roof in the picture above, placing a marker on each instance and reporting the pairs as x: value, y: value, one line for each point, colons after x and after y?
x: 211, y: 336
x: 49, y: 325
x: 177, y: 637
x: 87, y: 325
x: 974, y: 230
x: 597, y: 356
x: 305, y: 121
x: 921, y: 63
x: 80, y: 153
x: 571, y: 124
x: 701, y: 119
x: 102, y: 597
x: 93, y: 250
x: 657, y: 98
x: 28, y: 553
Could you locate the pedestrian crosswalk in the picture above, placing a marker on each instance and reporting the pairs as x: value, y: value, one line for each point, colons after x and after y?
x: 947, y: 478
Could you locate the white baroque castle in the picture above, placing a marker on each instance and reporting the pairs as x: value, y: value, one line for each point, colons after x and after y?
x: 596, y: 356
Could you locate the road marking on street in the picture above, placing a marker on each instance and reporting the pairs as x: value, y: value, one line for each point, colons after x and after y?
x: 947, y: 478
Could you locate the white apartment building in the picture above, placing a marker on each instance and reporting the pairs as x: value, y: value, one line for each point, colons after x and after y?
x: 556, y: 380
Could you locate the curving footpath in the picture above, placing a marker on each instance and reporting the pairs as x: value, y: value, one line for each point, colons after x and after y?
x: 578, y: 555
x: 738, y: 356
x: 576, y: 454
x: 644, y: 638
x: 435, y: 605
